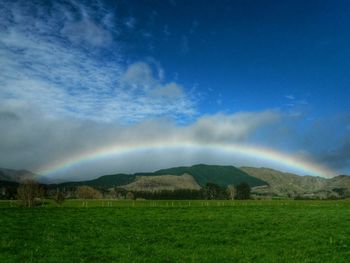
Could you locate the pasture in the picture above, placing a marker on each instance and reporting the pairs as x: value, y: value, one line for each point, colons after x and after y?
x: 176, y: 231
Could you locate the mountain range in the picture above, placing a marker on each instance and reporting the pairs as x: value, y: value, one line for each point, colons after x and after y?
x: 15, y: 175
x: 292, y: 185
x: 265, y: 182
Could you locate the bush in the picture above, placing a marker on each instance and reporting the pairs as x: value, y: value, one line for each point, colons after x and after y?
x: 243, y: 191
x: 213, y: 191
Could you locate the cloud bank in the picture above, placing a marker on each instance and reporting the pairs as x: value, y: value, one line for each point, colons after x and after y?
x: 32, y: 140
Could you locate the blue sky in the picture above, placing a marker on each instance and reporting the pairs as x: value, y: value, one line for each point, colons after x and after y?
x: 268, y: 73
x: 249, y: 55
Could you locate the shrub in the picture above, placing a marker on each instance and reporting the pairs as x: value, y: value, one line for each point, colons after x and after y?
x: 243, y: 191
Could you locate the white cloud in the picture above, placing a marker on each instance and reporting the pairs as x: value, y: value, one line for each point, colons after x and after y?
x: 138, y: 74
x: 231, y: 128
x: 40, y: 69
x: 171, y: 90
x: 86, y: 31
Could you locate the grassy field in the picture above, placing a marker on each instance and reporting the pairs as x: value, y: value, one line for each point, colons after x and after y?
x: 176, y: 231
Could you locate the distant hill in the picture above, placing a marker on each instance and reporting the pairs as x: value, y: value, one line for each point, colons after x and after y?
x: 221, y: 175
x: 163, y: 182
x: 292, y: 185
x: 339, y: 184
x: 202, y: 174
x: 11, y: 175
x: 265, y: 182
x: 105, y: 181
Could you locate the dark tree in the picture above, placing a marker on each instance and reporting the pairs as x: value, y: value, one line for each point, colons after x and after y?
x: 213, y: 191
x: 8, y: 192
x: 243, y: 191
x: 342, y: 192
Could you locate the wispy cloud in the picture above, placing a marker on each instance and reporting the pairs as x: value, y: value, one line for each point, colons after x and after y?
x: 86, y: 31
x: 54, y: 58
x: 295, y: 107
x: 130, y: 22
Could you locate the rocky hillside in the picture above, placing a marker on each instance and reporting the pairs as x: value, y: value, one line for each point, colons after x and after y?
x: 163, y: 182
x: 291, y: 185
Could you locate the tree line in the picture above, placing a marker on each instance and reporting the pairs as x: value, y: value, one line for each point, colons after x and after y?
x: 31, y: 193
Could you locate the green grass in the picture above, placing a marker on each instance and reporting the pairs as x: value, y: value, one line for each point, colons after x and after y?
x: 188, y: 231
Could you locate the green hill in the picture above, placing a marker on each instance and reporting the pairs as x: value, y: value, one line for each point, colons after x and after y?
x: 105, y: 181
x: 221, y: 175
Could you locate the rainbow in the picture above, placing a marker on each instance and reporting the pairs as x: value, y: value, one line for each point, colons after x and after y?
x: 264, y: 154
